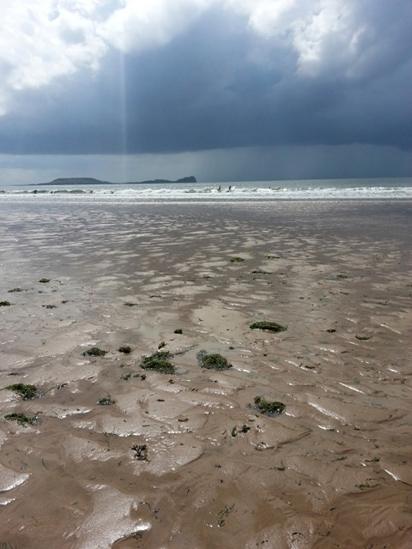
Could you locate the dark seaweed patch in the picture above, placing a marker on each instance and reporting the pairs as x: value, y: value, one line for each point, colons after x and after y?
x: 126, y: 349
x: 106, y: 401
x: 267, y: 407
x: 159, y: 362
x: 213, y: 361
x: 21, y: 419
x: 140, y: 452
x: 27, y: 392
x: 268, y: 326
x: 237, y: 259
x: 94, y: 351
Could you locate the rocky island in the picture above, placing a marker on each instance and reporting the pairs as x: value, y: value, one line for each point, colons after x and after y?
x: 94, y: 181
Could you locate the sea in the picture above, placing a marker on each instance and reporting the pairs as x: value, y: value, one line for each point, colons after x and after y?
x: 314, y: 189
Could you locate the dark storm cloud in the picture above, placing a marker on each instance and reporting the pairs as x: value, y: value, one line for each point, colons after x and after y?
x: 219, y: 84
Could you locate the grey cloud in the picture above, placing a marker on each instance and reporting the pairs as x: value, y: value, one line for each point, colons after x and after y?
x: 218, y: 84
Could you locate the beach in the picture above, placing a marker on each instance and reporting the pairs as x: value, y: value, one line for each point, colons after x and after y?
x: 110, y: 454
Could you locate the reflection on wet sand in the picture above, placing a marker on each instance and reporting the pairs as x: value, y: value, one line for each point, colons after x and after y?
x: 117, y: 455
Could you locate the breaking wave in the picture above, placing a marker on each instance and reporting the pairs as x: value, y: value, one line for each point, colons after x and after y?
x: 242, y: 191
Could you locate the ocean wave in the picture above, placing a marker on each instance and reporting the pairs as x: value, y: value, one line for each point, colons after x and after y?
x: 210, y: 192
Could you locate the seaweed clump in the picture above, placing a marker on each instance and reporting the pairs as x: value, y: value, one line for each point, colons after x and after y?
x: 213, y: 361
x: 21, y: 419
x: 236, y: 259
x: 269, y: 408
x: 106, y: 401
x: 125, y: 349
x: 5, y: 303
x: 94, y: 351
x: 159, y: 362
x: 178, y: 331
x: 268, y: 326
x: 27, y: 392
x: 140, y: 452
x: 44, y: 280
x: 244, y: 429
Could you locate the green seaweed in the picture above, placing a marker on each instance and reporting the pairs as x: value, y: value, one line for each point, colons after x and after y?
x: 269, y: 408
x: 366, y: 486
x: 44, y: 280
x: 268, y: 326
x: 213, y: 361
x: 5, y: 303
x: 178, y: 331
x: 126, y: 349
x: 140, y: 452
x: 235, y: 431
x: 94, y: 351
x: 106, y: 401
x: 159, y: 362
x: 237, y: 259
x: 223, y: 515
x: 21, y: 419
x: 15, y: 290
x: 27, y: 392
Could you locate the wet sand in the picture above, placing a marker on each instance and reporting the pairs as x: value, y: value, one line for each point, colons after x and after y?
x: 334, y: 470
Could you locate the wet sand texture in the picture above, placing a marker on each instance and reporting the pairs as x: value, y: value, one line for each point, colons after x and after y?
x: 188, y: 456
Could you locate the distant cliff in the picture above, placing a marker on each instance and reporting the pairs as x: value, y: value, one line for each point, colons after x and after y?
x: 92, y: 181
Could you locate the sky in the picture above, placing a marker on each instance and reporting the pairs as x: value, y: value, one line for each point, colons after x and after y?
x: 221, y: 89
